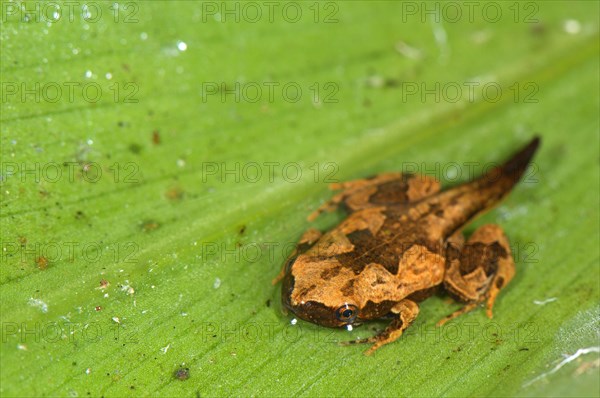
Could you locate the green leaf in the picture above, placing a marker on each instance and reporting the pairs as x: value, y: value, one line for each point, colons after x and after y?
x: 159, y: 160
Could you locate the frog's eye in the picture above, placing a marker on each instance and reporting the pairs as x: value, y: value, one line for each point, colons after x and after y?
x: 346, y: 313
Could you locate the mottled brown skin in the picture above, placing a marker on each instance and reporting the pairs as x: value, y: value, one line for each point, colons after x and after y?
x: 401, y: 241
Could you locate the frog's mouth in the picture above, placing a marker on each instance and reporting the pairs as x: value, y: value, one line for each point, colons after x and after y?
x: 320, y: 314
x: 311, y: 311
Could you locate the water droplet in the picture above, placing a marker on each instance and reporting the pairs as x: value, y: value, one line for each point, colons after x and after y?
x: 572, y: 26
x: 85, y: 12
x: 181, y: 46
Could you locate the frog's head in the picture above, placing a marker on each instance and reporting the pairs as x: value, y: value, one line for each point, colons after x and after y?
x: 313, y: 296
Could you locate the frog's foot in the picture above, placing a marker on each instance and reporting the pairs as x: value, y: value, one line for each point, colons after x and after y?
x: 307, y: 240
x: 479, y: 270
x: 405, y: 312
x: 371, y: 339
x: 378, y: 190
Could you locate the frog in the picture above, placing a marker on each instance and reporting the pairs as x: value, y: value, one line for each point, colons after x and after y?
x: 402, y: 242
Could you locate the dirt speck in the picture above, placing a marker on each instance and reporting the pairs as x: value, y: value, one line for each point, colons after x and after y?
x: 538, y: 29
x: 182, y: 374
x: 175, y: 194
x: 155, y: 137
x: 135, y: 148
x: 42, y: 262
x: 150, y: 225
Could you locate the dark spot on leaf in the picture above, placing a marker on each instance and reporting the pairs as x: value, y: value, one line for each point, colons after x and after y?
x: 135, y: 148
x: 268, y: 303
x: 155, y: 137
x: 391, y: 82
x: 42, y: 262
x: 538, y: 29
x: 150, y: 225
x: 182, y: 374
x: 175, y: 194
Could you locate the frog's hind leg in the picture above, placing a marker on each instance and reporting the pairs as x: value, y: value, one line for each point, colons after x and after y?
x: 307, y: 240
x: 382, y: 189
x: 477, y: 271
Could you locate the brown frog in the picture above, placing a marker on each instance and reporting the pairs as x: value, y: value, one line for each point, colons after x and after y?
x: 401, y: 241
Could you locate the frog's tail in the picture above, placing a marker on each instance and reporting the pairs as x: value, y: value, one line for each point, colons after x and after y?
x: 476, y: 197
x: 497, y: 182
